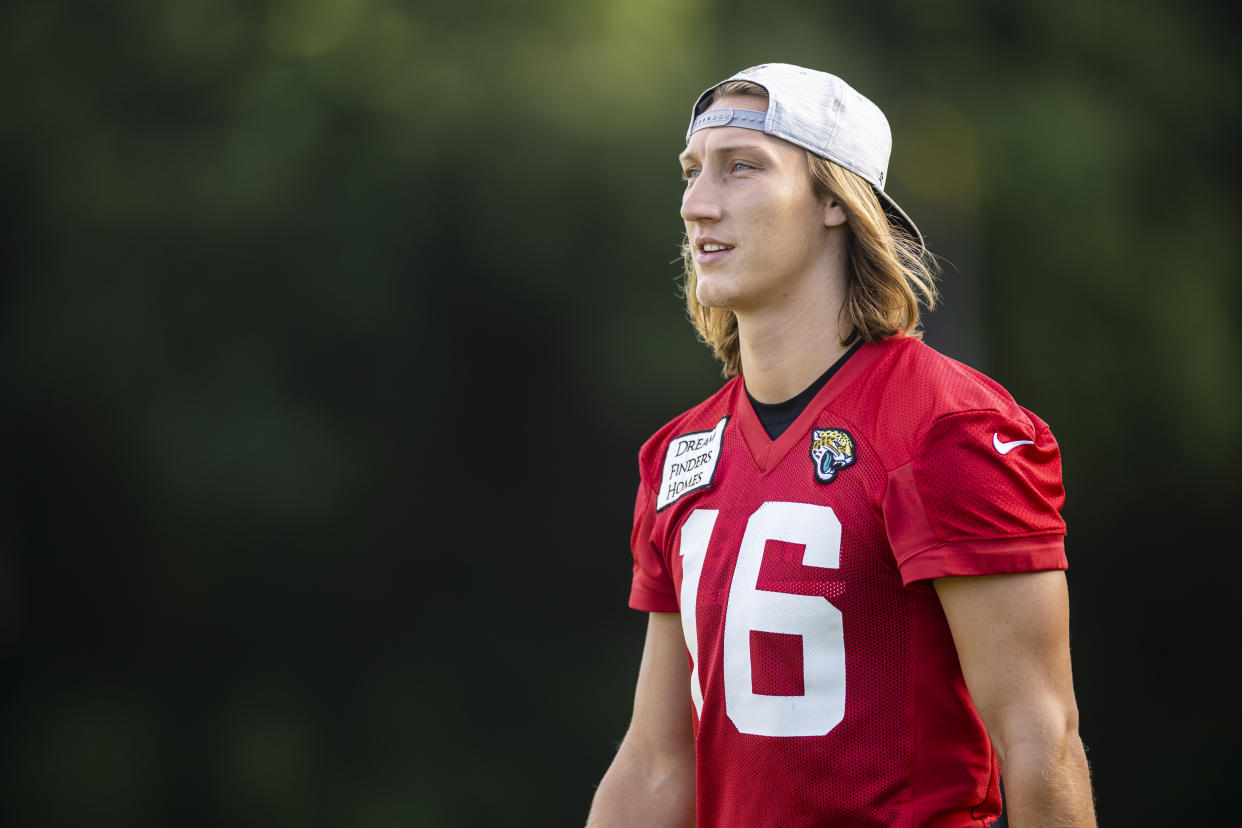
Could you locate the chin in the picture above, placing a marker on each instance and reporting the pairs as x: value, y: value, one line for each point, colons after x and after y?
x: 711, y: 293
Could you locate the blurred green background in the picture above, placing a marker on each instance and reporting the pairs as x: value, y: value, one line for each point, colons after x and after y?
x: 331, y: 328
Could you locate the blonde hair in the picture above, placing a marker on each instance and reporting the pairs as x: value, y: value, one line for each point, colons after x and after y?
x: 888, y: 272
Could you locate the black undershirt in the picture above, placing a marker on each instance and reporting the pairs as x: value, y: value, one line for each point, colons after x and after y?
x: 776, y: 417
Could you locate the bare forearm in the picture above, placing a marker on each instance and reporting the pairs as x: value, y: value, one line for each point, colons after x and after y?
x: 639, y: 791
x: 1048, y: 785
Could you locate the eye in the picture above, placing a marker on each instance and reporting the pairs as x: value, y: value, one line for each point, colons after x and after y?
x: 740, y: 166
x: 690, y: 174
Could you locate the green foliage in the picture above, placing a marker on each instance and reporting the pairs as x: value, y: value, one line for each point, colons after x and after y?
x: 315, y: 310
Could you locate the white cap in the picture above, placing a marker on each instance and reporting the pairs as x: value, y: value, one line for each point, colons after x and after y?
x: 819, y: 112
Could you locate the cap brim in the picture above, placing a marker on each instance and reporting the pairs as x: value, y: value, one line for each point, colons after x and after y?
x: 898, y: 216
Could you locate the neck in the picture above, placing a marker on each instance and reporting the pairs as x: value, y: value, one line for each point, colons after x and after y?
x: 785, y: 348
x: 781, y: 361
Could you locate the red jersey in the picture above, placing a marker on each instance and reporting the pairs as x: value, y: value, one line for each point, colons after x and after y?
x: 824, y: 680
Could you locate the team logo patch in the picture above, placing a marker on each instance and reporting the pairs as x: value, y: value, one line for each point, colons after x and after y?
x: 832, y: 449
x: 690, y: 463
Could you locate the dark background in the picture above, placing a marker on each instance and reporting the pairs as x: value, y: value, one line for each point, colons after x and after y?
x: 329, y: 330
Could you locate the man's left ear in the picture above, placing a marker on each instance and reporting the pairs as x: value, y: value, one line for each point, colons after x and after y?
x: 834, y: 213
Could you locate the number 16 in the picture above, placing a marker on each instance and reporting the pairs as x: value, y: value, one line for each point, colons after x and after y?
x: 822, y: 705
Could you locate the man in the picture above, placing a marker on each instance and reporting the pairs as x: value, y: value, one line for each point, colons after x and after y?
x: 857, y: 542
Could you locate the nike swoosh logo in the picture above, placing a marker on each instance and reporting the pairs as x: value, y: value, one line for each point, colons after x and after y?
x: 1005, y: 448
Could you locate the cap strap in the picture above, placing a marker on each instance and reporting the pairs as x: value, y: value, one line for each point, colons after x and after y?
x: 746, y: 118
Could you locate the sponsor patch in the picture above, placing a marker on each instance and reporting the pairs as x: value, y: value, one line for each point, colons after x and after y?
x: 832, y: 449
x: 690, y: 463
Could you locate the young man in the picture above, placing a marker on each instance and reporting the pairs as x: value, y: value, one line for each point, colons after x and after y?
x: 857, y: 542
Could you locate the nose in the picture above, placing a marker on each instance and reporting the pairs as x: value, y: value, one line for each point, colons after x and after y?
x: 701, y: 201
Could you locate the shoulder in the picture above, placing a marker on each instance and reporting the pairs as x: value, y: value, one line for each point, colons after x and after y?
x: 938, y: 383
x: 910, y: 386
x: 704, y: 417
x: 967, y: 468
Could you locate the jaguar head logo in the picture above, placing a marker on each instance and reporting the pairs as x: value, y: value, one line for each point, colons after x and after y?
x: 832, y: 449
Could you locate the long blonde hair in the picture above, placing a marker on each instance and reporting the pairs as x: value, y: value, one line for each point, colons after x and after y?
x: 888, y: 272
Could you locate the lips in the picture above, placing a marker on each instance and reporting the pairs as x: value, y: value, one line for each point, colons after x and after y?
x: 708, y: 250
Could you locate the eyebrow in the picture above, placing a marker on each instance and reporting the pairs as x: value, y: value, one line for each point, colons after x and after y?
x: 687, y: 154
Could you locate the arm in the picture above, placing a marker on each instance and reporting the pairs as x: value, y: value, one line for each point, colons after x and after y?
x: 1012, y: 638
x: 651, y: 780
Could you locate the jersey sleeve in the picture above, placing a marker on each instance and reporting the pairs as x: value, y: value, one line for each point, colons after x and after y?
x: 652, y: 589
x: 981, y: 496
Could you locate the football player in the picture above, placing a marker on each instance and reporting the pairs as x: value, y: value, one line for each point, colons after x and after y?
x: 852, y: 554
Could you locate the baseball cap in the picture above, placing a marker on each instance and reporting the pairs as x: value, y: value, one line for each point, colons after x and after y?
x: 819, y: 112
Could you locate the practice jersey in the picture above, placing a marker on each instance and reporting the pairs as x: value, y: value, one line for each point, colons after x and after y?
x: 825, y: 685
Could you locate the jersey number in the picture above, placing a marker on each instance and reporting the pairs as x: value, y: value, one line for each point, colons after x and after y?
x: 822, y: 705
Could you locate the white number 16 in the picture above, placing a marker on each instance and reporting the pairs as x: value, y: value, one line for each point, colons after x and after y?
x: 822, y: 705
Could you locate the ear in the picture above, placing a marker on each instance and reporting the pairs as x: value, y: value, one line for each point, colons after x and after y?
x: 834, y: 213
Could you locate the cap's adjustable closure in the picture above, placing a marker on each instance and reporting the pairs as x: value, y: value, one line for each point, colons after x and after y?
x: 745, y: 118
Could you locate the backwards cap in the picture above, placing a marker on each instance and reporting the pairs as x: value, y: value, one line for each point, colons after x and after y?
x: 819, y: 112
